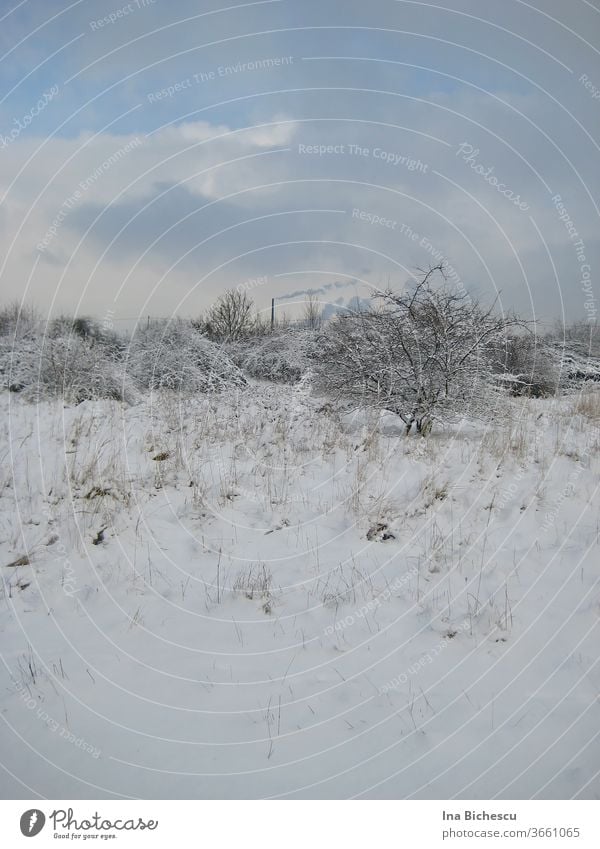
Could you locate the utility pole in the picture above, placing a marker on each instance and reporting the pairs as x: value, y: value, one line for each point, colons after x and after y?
x: 272, y: 313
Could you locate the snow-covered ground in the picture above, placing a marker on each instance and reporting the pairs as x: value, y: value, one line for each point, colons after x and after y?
x: 248, y: 595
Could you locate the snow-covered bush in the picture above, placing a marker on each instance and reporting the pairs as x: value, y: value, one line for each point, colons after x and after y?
x: 528, y: 366
x: 75, y: 368
x: 582, y: 337
x: 78, y: 360
x: 576, y: 352
x: 173, y: 355
x: 424, y: 354
x: 19, y: 321
x: 87, y: 328
x: 280, y: 357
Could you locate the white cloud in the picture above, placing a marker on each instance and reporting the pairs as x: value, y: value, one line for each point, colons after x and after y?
x: 196, y: 178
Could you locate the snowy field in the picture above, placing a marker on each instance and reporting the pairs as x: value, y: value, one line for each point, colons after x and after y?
x: 247, y: 594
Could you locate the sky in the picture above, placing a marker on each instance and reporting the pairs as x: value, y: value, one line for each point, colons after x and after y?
x: 154, y: 154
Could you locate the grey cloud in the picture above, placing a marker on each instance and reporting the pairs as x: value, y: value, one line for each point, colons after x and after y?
x: 433, y: 79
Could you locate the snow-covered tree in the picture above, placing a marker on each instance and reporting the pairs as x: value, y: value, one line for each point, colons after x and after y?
x: 312, y: 317
x: 231, y: 317
x: 423, y: 353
